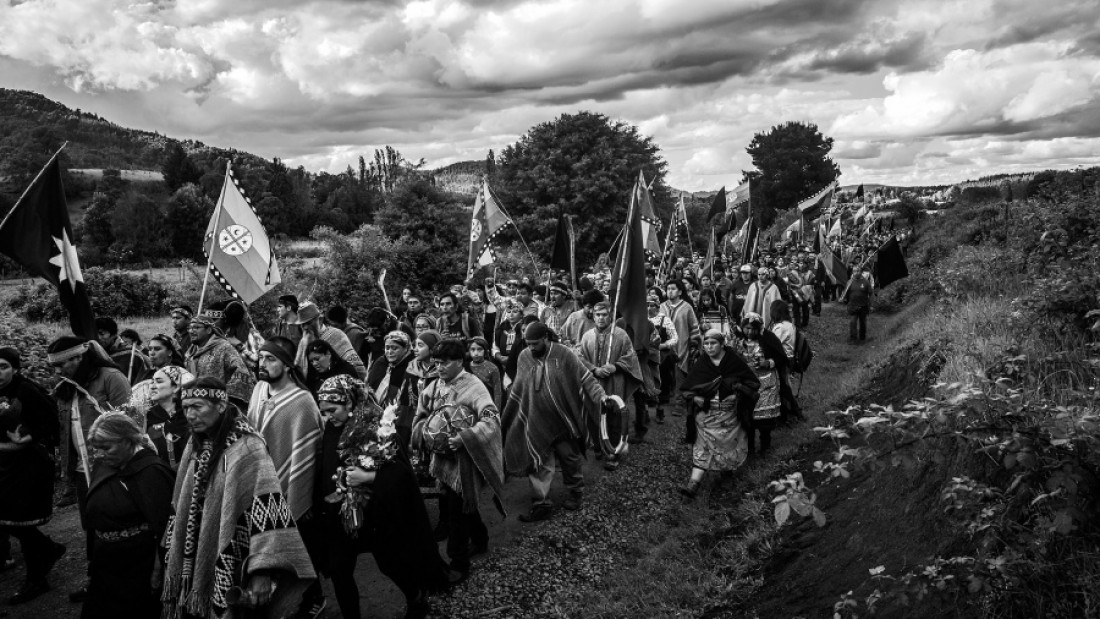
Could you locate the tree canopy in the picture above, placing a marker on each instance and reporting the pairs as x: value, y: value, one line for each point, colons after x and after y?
x: 583, y: 165
x: 792, y: 162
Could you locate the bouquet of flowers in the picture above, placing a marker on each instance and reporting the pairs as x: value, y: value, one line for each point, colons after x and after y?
x: 369, y: 440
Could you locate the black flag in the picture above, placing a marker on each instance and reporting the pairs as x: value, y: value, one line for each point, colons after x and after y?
x: 37, y: 234
x: 718, y: 206
x: 859, y: 193
x: 562, y: 257
x: 890, y: 263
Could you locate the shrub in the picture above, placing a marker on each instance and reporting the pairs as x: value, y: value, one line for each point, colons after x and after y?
x: 113, y: 293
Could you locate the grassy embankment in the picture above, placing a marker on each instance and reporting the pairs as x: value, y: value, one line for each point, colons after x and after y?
x: 977, y: 499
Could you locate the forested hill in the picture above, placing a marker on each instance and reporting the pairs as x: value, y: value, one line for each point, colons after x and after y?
x: 32, y: 127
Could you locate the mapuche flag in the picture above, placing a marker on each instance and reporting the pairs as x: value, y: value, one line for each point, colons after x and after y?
x: 37, y: 234
x: 650, y: 222
x: 486, y: 222
x: 236, y: 245
x: 628, y: 290
x: 890, y: 263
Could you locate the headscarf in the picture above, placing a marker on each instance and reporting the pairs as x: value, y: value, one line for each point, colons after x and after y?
x: 400, y: 337
x: 430, y: 337
x: 176, y: 374
x: 343, y: 389
x: 716, y: 334
x: 752, y: 318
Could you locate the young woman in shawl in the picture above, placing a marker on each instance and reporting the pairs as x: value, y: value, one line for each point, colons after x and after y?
x: 761, y: 348
x: 28, y: 430
x: 129, y: 503
x: 721, y: 389
x: 323, y: 364
x: 165, y: 423
x: 369, y: 499
x: 386, y: 379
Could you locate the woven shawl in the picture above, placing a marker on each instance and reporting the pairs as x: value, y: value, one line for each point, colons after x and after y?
x: 628, y: 373
x: 290, y: 424
x: 246, y: 526
x: 553, y: 397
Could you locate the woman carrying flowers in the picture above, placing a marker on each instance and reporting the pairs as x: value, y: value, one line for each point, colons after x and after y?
x: 369, y: 500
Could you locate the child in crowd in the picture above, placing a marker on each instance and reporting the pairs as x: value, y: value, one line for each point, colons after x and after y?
x: 488, y: 372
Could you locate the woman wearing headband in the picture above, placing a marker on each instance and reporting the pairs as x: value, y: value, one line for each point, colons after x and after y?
x: 386, y: 380
x: 28, y: 430
x: 90, y: 385
x: 129, y: 502
x: 368, y: 498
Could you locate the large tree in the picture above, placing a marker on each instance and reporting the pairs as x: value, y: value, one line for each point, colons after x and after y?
x: 792, y: 162
x: 583, y: 165
x: 431, y: 226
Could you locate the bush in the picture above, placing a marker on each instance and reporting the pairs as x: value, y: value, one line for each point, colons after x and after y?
x: 113, y: 293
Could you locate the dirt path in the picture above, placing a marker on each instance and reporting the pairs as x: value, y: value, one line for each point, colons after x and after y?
x: 836, y: 371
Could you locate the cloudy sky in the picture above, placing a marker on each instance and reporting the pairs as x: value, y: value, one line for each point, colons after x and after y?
x: 913, y: 91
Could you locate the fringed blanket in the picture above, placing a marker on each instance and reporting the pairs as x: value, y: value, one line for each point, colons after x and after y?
x: 290, y: 424
x: 553, y: 397
x: 240, y: 524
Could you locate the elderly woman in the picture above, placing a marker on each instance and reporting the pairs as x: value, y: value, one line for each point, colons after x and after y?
x: 765, y: 354
x: 722, y: 389
x: 368, y: 498
x: 28, y: 429
x: 323, y: 364
x: 165, y: 423
x: 129, y: 503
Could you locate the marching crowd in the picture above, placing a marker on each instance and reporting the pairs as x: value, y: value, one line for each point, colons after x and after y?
x: 216, y: 467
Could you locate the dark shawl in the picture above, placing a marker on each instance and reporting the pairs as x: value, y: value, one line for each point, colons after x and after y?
x: 731, y: 376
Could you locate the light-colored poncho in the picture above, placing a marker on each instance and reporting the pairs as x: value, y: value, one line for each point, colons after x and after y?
x: 290, y: 424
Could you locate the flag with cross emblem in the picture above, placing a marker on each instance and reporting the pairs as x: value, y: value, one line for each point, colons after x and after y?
x: 240, y: 254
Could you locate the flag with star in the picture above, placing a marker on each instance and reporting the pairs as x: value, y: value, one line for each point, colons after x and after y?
x: 37, y: 234
x: 236, y: 245
x: 650, y: 222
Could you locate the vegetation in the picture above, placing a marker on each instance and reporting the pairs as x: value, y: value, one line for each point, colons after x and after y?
x: 580, y: 164
x: 789, y: 158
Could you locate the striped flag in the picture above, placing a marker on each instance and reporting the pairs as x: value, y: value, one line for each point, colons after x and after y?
x: 650, y: 222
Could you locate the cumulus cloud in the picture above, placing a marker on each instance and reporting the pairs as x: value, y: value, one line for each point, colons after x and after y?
x: 906, y: 87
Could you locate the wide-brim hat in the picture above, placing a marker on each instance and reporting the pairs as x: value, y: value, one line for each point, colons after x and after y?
x: 307, y: 312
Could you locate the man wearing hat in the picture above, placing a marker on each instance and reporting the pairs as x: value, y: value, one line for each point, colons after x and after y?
x: 314, y: 327
x: 552, y: 413
x: 227, y: 478
x: 286, y: 323
x: 181, y: 320
x: 560, y: 307
x: 211, y: 354
x: 286, y: 416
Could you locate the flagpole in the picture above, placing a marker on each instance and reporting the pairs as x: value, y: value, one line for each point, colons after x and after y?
x: 214, y: 236
x: 575, y: 285
x: 624, y: 250
x: 36, y: 177
x: 500, y: 205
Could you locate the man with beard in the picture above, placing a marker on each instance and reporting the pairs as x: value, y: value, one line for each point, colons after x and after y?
x: 608, y: 352
x: 455, y: 322
x: 212, y: 355
x: 181, y: 320
x: 286, y: 416
x: 552, y: 413
x: 232, y: 525
x: 580, y: 321
x: 555, y: 314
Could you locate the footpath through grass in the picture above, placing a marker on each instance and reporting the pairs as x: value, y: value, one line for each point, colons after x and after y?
x: 636, y: 549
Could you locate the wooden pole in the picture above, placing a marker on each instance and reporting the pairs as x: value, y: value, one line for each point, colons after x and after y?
x: 214, y: 237
x: 36, y: 177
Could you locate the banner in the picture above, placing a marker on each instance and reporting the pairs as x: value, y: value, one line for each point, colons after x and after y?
x: 236, y: 245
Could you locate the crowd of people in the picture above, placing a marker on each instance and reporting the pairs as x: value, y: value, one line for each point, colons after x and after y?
x: 216, y: 467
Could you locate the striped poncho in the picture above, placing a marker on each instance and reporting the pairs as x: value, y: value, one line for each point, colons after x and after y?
x: 290, y: 424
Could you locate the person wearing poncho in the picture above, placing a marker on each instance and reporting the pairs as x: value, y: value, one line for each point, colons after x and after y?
x: 552, y: 413
x: 608, y: 353
x: 368, y: 500
x: 285, y: 414
x: 231, y: 525
x: 212, y: 355
x: 721, y: 389
x: 473, y: 460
